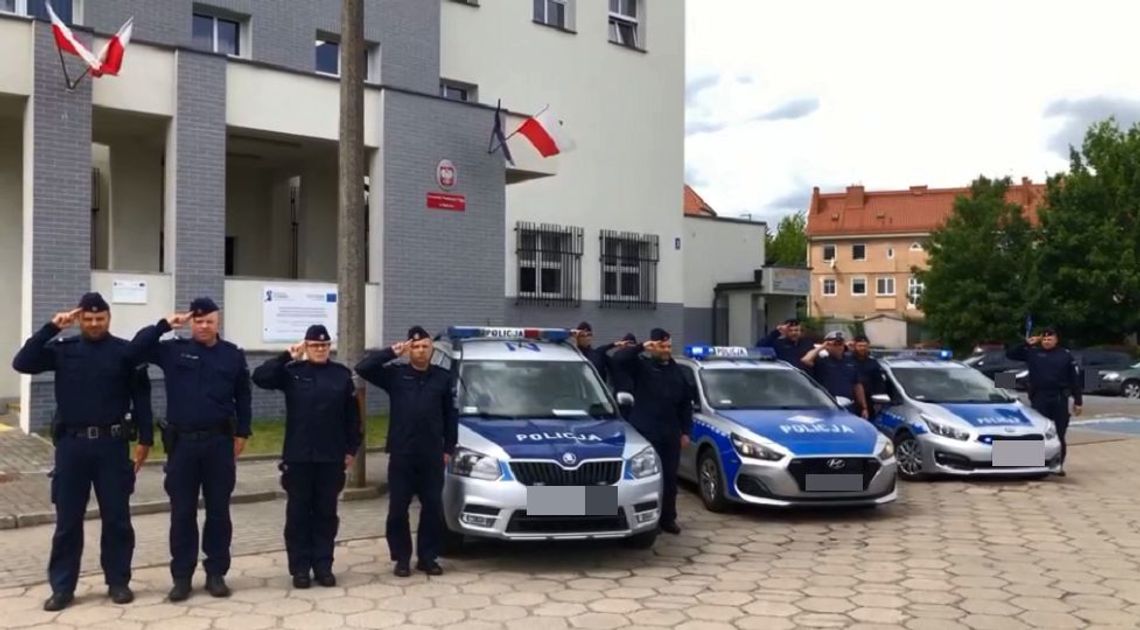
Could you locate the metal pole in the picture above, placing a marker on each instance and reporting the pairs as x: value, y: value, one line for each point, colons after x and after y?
x: 350, y: 209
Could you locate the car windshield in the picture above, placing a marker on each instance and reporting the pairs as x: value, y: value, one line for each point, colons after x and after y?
x: 763, y: 389
x: 948, y: 385
x: 508, y: 390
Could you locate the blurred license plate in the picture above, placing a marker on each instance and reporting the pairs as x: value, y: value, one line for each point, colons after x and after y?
x: 834, y: 483
x: 1019, y: 454
x: 571, y: 500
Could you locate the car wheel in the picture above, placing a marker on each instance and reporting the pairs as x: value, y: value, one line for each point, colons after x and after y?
x: 643, y: 540
x: 710, y: 481
x: 908, y: 453
x: 1131, y: 389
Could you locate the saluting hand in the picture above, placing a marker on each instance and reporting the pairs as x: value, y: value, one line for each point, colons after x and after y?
x: 297, y: 351
x: 782, y: 329
x: 624, y: 343
x: 176, y: 320
x: 400, y: 348
x: 65, y: 319
x: 1033, y: 341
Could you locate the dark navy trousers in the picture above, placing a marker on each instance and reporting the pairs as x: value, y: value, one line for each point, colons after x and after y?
x: 80, y: 464
x: 1055, y: 406
x: 669, y: 451
x: 206, y: 465
x: 311, y: 520
x: 420, y: 476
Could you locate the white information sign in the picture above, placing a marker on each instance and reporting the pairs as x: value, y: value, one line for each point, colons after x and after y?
x: 128, y: 291
x: 288, y: 310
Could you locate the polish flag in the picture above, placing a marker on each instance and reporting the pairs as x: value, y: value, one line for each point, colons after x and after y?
x: 545, y: 132
x: 66, y: 41
x: 111, y: 57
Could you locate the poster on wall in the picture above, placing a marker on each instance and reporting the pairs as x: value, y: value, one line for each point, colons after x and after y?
x: 128, y: 291
x: 288, y: 310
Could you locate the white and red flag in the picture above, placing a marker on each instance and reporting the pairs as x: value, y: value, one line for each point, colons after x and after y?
x: 110, y: 58
x: 545, y: 132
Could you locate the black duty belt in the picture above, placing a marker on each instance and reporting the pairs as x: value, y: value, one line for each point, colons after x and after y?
x: 201, y: 434
x: 95, y: 432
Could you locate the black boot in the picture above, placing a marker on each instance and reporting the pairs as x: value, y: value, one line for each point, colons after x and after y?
x: 302, y: 581
x: 58, y: 601
x: 121, y: 594
x: 402, y: 569
x: 181, y: 590
x: 216, y: 586
x: 431, y: 568
x: 327, y: 580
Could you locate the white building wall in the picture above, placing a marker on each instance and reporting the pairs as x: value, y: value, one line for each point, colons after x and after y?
x: 717, y: 251
x: 623, y: 108
x: 136, y: 207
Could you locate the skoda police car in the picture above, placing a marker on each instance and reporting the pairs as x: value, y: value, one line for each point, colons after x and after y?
x: 543, y: 452
x: 946, y: 418
x: 765, y: 433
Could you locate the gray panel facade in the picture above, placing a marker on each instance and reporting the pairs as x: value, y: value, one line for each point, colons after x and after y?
x: 699, y: 325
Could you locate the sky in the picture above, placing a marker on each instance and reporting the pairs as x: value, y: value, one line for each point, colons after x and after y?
x: 784, y: 95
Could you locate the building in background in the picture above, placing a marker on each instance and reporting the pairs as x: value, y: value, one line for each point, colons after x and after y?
x: 863, y: 246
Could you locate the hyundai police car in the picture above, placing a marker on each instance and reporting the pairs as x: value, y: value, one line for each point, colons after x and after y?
x: 946, y: 418
x: 765, y: 433
x: 543, y: 452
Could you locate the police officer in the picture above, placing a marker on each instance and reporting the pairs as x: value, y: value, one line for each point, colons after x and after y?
x: 599, y: 357
x: 96, y: 390
x: 1053, y: 377
x: 422, y: 432
x: 867, y: 366
x: 662, y: 410
x: 207, y: 424
x: 837, y: 372
x: 788, y: 342
x: 322, y: 436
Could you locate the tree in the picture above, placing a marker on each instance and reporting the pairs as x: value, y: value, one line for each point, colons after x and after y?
x: 1087, y: 260
x: 789, y: 246
x: 975, y: 286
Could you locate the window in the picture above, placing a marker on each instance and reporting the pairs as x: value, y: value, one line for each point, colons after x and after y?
x: 629, y: 269
x: 884, y: 286
x: 829, y: 286
x: 828, y: 253
x: 858, y: 286
x: 456, y: 91
x: 550, y: 12
x: 890, y: 253
x: 623, y: 23
x: 217, y: 34
x: 858, y: 252
x: 327, y: 59
x: 549, y: 263
x: 913, y: 292
x: 916, y: 247
x: 35, y: 8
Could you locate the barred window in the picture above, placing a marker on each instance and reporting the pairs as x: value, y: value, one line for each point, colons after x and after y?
x: 549, y: 264
x: 629, y: 269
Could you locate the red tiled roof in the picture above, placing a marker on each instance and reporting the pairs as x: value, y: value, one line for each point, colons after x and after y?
x: 695, y: 206
x: 918, y: 210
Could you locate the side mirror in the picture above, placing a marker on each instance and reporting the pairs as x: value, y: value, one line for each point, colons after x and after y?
x: 844, y: 401
x: 881, y: 399
x: 625, y: 399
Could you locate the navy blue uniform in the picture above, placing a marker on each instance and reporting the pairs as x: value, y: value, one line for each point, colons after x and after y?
x: 423, y: 425
x: 1053, y: 377
x: 662, y: 412
x: 96, y: 387
x: 322, y: 426
x: 787, y: 350
x: 870, y: 375
x: 839, y: 376
x: 599, y: 358
x: 207, y: 404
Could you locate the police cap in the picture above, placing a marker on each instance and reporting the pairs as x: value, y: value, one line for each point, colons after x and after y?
x: 93, y: 303
x: 630, y: 337
x: 317, y: 332
x: 585, y: 327
x: 659, y: 334
x: 415, y: 333
x: 202, y: 306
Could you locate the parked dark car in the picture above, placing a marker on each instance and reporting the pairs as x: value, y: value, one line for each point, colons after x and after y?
x: 1095, y: 364
x: 991, y: 362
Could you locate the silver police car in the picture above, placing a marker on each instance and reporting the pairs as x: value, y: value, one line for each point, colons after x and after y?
x: 543, y: 453
x: 765, y: 433
x: 946, y: 418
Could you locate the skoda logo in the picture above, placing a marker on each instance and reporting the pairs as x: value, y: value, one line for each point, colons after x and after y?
x: 836, y: 464
x: 569, y: 459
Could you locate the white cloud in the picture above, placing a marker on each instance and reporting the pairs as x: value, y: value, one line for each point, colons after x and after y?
x: 904, y: 92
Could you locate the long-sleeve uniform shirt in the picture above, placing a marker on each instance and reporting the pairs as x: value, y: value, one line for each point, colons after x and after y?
x: 1051, y: 372
x: 207, y: 387
x: 322, y: 420
x: 787, y: 350
x: 600, y: 359
x: 663, y: 396
x: 423, y: 418
x: 95, y: 383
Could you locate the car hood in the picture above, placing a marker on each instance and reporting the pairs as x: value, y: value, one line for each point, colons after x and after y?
x: 983, y: 415
x: 549, y: 438
x: 810, y: 431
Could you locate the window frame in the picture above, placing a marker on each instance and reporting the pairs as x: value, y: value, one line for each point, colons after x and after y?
x: 858, y: 258
x: 616, y: 20
x: 545, y: 18
x: 323, y: 37
x: 470, y: 91
x: 566, y: 257
x: 645, y: 257
x: 880, y: 279
x: 911, y: 283
x: 916, y: 247
x: 214, y: 20
x: 862, y: 279
x: 834, y: 252
x: 823, y: 287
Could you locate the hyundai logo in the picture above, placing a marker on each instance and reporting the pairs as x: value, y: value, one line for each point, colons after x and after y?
x: 569, y: 459
x: 836, y: 464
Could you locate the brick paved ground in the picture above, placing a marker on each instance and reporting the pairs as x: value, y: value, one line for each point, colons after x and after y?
x: 1059, y: 553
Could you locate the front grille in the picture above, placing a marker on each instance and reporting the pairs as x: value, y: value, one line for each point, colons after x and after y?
x: 1031, y: 437
x: 752, y: 486
x: 954, y: 460
x: 800, y: 468
x: 520, y: 523
x: 591, y: 473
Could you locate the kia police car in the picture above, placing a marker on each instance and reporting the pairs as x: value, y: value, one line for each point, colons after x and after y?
x: 543, y: 452
x: 765, y: 433
x: 946, y: 418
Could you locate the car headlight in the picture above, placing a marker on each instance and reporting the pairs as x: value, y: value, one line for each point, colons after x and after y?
x: 468, y: 463
x: 1051, y: 431
x: 644, y: 464
x: 747, y: 448
x: 945, y: 430
x: 1111, y: 376
x: 888, y: 450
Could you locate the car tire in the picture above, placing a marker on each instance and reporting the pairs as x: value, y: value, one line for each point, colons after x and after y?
x: 710, y: 481
x: 452, y: 543
x: 908, y: 454
x: 1130, y: 389
x: 643, y: 540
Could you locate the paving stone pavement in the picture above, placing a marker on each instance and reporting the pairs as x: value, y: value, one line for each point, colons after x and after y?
x: 1058, y: 553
